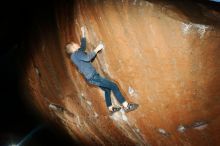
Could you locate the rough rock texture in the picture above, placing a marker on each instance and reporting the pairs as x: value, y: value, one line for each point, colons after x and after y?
x: 163, y: 55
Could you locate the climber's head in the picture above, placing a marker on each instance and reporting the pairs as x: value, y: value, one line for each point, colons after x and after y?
x: 72, y: 47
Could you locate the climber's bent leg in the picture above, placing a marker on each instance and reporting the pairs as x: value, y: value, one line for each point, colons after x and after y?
x: 102, y: 82
x: 107, y: 96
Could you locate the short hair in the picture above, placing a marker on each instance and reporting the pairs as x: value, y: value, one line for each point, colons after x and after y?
x: 68, y: 47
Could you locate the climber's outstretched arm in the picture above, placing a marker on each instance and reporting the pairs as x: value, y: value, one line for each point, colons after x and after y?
x: 83, y: 39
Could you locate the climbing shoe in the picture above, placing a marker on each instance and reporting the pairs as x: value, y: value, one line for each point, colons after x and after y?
x: 114, y: 109
x: 131, y: 107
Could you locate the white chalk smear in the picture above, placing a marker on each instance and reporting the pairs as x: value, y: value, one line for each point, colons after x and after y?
x: 132, y: 92
x: 89, y: 102
x: 200, y: 28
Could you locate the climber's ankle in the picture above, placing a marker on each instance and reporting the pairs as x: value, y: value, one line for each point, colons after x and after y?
x: 125, y: 104
x: 110, y: 107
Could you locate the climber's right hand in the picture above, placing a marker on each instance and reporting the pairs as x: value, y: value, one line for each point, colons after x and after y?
x: 99, y: 48
x: 83, y: 30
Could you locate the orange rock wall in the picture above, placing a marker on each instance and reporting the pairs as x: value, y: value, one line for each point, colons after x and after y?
x: 162, y: 58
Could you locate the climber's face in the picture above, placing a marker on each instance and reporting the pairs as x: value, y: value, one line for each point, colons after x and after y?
x: 72, y: 47
x: 75, y: 46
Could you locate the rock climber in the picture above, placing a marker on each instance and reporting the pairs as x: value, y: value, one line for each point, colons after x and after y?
x: 83, y: 62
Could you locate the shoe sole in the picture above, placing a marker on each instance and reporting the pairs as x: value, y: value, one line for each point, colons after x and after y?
x: 134, y: 108
x: 111, y: 112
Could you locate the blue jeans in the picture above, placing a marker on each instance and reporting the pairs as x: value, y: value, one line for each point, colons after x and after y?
x: 107, y: 86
